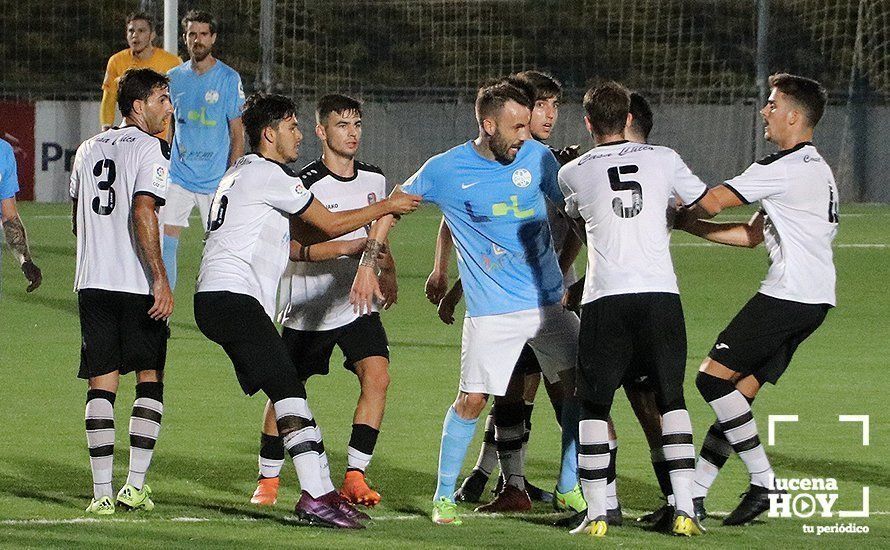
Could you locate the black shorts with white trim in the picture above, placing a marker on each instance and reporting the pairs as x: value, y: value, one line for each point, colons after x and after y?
x: 641, y: 334
x: 117, y: 334
x: 763, y: 336
x: 310, y: 350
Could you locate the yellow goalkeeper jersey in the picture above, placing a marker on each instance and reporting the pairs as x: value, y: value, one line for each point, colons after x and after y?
x: 160, y: 60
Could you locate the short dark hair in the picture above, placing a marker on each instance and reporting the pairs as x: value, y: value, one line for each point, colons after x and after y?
x: 642, y: 114
x: 199, y: 16
x: 138, y: 84
x: 606, y: 107
x: 546, y: 85
x: 492, y: 96
x: 262, y: 111
x: 336, y: 103
x: 141, y: 15
x: 806, y: 92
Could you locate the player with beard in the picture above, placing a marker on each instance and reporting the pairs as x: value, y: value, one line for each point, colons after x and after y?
x: 493, y: 192
x: 527, y: 375
x: 208, y: 135
x: 314, y: 295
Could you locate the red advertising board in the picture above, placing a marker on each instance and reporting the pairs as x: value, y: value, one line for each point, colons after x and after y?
x: 17, y: 127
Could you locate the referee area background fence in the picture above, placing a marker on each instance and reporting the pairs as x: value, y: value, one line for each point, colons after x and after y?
x: 417, y: 63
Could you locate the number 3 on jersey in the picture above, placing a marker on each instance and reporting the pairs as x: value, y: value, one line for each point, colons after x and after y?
x: 636, y: 191
x: 106, y: 172
x: 217, y: 214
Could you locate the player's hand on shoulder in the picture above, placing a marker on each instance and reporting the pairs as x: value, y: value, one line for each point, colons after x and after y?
x: 568, y: 154
x: 436, y: 286
x: 163, y: 304
x: 403, y: 203
x: 365, y: 288
x: 33, y: 274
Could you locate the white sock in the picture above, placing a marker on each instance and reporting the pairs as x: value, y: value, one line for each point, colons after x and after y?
x: 593, y: 461
x: 303, y: 444
x: 737, y: 421
x: 676, y: 435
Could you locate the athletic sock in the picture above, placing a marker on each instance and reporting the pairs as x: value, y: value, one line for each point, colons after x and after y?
x: 715, y: 451
x: 737, y: 423
x: 324, y: 466
x: 593, y: 464
x: 488, y: 454
x: 509, y: 431
x: 271, y: 457
x: 568, y: 470
x: 361, y: 447
x: 302, y: 439
x: 99, y: 420
x: 529, y: 408
x: 679, y: 454
x: 662, y: 474
x: 612, y: 476
x: 145, y: 425
x: 457, y: 433
x: 168, y: 255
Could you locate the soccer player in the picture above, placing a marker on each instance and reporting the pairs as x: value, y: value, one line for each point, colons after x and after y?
x: 141, y: 53
x: 208, y: 135
x: 13, y: 229
x: 797, y: 222
x: 492, y: 191
x: 118, y: 180
x: 317, y: 314
x: 245, y: 256
x: 544, y: 117
x: 631, y: 312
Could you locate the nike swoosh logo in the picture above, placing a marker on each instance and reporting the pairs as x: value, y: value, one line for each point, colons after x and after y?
x: 468, y: 185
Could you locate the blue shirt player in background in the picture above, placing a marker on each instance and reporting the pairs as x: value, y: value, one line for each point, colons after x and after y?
x: 207, y: 132
x: 13, y: 229
x: 492, y: 192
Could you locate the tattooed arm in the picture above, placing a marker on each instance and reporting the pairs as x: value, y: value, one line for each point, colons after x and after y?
x: 17, y: 240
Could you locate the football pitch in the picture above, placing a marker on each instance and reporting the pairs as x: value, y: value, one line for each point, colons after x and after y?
x: 204, y: 467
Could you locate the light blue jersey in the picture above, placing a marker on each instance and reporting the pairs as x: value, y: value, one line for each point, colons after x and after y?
x: 498, y: 218
x: 203, y: 106
x: 9, y: 178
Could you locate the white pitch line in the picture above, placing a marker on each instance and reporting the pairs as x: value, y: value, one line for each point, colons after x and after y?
x: 841, y: 245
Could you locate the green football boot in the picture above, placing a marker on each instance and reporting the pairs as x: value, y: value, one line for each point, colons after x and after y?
x: 445, y: 512
x: 101, y: 506
x: 133, y: 499
x: 570, y: 501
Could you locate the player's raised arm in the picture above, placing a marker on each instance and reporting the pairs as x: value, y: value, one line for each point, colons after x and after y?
x: 145, y: 222
x: 748, y: 234
x: 334, y: 224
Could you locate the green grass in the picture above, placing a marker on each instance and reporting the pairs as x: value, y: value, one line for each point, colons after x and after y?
x: 205, y: 464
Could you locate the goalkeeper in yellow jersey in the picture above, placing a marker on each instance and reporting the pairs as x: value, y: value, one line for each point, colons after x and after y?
x: 140, y: 53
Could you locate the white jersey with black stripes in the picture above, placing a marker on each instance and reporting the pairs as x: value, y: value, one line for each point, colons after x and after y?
x: 248, y: 231
x: 109, y: 170
x: 797, y: 192
x: 623, y: 192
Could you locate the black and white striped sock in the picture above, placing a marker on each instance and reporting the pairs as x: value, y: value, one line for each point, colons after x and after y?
x: 361, y: 447
x: 99, y: 419
x: 679, y: 454
x: 488, y: 454
x: 593, y: 464
x: 715, y: 451
x: 302, y: 439
x: 271, y: 457
x: 509, y: 432
x: 145, y: 425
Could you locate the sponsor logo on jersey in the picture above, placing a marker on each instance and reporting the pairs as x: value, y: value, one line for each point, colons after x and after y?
x: 634, y: 149
x: 503, y: 208
x: 808, y: 158
x: 522, y: 177
x: 159, y: 179
x: 468, y: 185
x: 372, y: 198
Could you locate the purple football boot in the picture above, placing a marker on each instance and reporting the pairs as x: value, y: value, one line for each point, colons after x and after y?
x: 324, y: 511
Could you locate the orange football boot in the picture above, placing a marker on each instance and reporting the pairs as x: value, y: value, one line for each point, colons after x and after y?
x: 355, y: 490
x: 266, y: 493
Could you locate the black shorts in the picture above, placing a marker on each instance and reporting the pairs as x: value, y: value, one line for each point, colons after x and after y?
x: 117, y: 334
x: 763, y: 336
x: 645, y: 331
x: 241, y: 326
x: 528, y: 361
x: 310, y: 350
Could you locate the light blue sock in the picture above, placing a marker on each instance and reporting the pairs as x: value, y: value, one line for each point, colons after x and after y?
x: 568, y: 471
x: 168, y: 254
x: 457, y: 434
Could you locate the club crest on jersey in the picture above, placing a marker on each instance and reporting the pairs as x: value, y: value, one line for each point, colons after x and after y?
x: 522, y: 177
x: 372, y: 198
x: 211, y: 97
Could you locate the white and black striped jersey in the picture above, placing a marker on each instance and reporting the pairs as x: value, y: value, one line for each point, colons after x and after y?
x: 315, y: 295
x: 248, y: 230
x: 109, y: 170
x: 623, y: 190
x: 798, y: 194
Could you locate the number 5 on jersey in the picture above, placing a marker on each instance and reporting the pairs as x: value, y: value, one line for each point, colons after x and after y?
x: 634, y: 187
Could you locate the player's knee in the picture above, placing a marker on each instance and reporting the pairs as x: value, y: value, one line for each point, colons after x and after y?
x: 595, y: 409
x: 469, y: 405
x: 374, y: 377
x: 711, y: 387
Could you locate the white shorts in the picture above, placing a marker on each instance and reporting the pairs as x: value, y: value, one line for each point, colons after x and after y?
x: 491, y: 346
x: 179, y: 205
